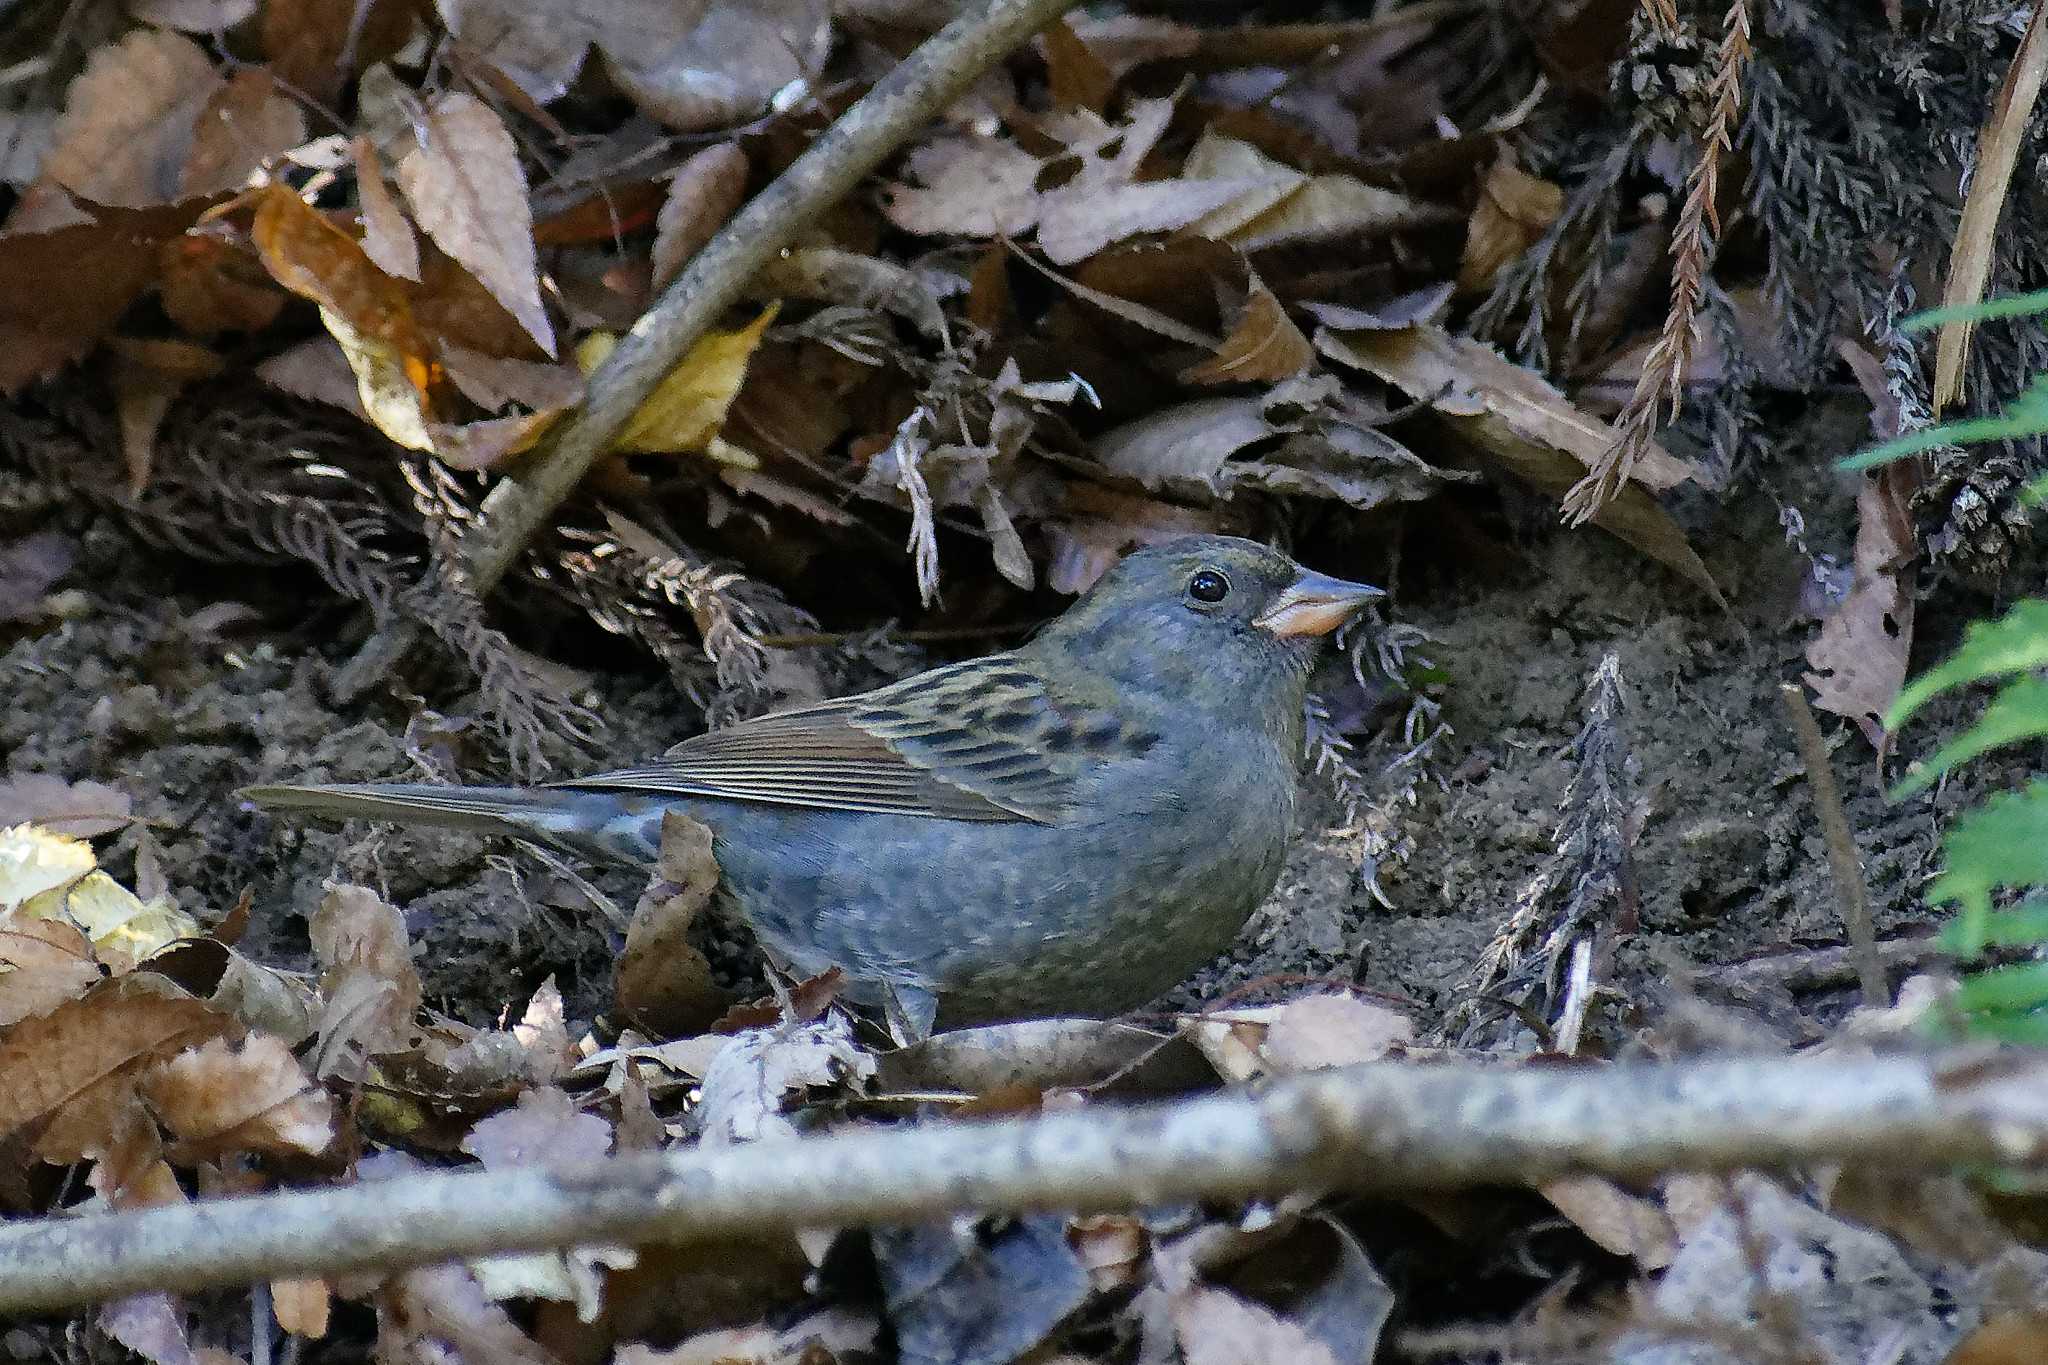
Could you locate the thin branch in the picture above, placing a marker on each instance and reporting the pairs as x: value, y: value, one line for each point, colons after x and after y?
x: 893, y: 111
x: 898, y: 106
x: 1383, y: 1126
x: 1851, y: 894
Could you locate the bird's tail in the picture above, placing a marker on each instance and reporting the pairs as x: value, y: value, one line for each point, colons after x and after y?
x: 603, y: 825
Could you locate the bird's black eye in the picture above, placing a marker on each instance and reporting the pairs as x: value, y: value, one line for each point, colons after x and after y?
x: 1208, y: 586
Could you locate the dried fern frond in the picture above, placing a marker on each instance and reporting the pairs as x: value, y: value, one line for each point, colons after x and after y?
x: 1692, y: 249
x: 520, y: 707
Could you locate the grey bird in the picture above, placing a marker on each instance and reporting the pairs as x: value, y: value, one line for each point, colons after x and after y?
x: 1071, y: 827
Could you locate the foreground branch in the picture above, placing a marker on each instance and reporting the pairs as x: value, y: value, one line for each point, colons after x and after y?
x: 1385, y: 1126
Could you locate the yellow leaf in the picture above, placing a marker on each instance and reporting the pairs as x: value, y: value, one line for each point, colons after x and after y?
x: 384, y: 383
x: 685, y: 414
x: 123, y: 927
x: 34, y: 861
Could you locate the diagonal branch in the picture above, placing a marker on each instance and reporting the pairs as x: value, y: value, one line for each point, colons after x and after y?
x: 1383, y: 1126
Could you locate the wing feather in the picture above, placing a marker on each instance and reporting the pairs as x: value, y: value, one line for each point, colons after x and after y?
x: 981, y: 740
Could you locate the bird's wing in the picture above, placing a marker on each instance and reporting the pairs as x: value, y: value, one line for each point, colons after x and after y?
x: 981, y: 740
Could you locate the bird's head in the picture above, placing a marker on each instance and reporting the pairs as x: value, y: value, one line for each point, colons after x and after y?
x: 1207, y: 617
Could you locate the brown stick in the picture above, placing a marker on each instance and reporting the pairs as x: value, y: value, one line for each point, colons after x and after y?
x: 900, y: 104
x: 1386, y: 1126
x: 1852, y: 895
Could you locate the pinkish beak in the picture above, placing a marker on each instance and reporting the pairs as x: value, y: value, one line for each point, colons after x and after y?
x: 1315, y: 604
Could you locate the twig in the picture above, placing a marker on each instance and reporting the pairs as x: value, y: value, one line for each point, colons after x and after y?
x: 900, y: 104
x: 1385, y: 1126
x: 1998, y: 149
x: 1847, y: 873
x: 1810, y: 969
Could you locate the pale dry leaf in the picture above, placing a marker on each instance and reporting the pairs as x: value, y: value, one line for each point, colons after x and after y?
x: 538, y: 46
x: 80, y: 809
x: 966, y: 187
x: 129, y: 118
x: 35, y: 862
x: 387, y: 233
x: 43, y: 963
x: 219, y: 1099
x: 441, y: 1313
x: 543, y: 1129
x: 151, y: 1324
x: 704, y: 192
x: 1277, y: 205
x: 494, y: 382
x: 1216, y: 1327
x: 468, y: 192
x: 247, y: 123
x: 1515, y: 419
x: 193, y: 16
x: 1331, y: 1029
x: 265, y: 999
x: 123, y: 927
x: 302, y: 1306
x: 358, y: 937
x: 749, y: 1078
x: 543, y: 1035
x: 1617, y: 1221
x: 316, y: 369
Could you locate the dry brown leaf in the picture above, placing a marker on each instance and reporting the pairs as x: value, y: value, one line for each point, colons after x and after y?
x: 316, y: 260
x: 1078, y: 78
x: 315, y: 45
x: 2019, y: 1338
x: 442, y: 1313
x: 151, y: 1324
x: 317, y: 370
x: 831, y: 275
x: 129, y: 119
x: 1098, y: 525
x: 1264, y: 346
x: 543, y: 1129
x: 704, y: 192
x: 1617, y: 1221
x: 468, y: 192
x: 1859, y: 659
x: 80, y: 809
x: 43, y: 964
x: 148, y: 376
x: 387, y: 232
x: 664, y: 982
x: 301, y: 1306
x: 65, y: 1076
x: 1514, y: 209
x: 247, y: 123
x: 211, y: 285
x: 1513, y: 417
x: 64, y: 289
x: 218, y: 1099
